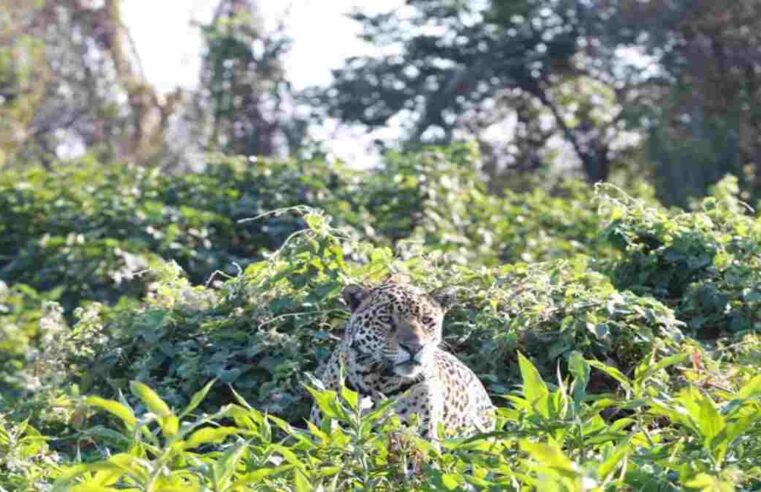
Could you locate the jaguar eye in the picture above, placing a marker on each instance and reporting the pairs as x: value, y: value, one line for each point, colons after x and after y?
x: 386, y: 320
x: 427, y: 320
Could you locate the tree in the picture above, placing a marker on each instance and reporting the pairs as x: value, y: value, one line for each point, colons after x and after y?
x: 69, y: 77
x: 708, y: 123
x: 667, y: 88
x: 686, y: 74
x: 245, y: 93
x: 456, y: 68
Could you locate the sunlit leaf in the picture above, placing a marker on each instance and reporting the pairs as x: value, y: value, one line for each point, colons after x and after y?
x: 113, y: 407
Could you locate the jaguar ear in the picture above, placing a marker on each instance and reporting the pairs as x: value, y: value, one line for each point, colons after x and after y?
x: 445, y: 297
x: 353, y: 295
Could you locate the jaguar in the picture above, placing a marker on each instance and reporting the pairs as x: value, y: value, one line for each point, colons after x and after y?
x: 391, y: 348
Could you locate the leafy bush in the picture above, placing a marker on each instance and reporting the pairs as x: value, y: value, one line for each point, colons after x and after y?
x: 706, y: 263
x: 28, y: 462
x: 85, y: 230
x: 262, y: 330
x: 437, y: 198
x: 20, y: 313
x: 76, y: 268
x: 549, y: 310
x: 123, y: 286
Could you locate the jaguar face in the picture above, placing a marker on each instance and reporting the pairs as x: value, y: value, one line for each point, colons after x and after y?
x: 396, y: 324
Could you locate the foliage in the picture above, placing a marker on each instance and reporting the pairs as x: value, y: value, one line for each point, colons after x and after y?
x: 459, y: 68
x: 597, y: 88
x: 439, y: 198
x: 91, y: 231
x: 707, y: 263
x: 549, y: 311
x: 548, y: 437
x: 666, y: 89
x: 268, y: 326
x: 20, y: 314
x: 28, y: 462
x: 686, y: 65
x: 70, y: 83
x: 579, y: 321
x: 22, y: 82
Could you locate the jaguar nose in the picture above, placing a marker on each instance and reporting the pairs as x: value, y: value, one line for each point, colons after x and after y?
x: 411, y: 346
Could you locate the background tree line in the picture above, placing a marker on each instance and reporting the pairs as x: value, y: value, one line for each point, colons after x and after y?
x: 603, y: 89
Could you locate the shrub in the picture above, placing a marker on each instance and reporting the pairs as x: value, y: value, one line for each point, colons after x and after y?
x: 549, y: 310
x: 706, y: 264
x: 603, y: 303
x: 20, y: 313
x: 262, y: 330
x: 438, y: 198
x: 85, y: 229
x: 27, y: 462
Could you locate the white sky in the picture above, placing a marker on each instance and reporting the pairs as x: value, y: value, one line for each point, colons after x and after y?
x: 168, y: 41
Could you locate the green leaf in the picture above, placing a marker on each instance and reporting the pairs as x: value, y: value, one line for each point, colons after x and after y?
x: 751, y: 389
x: 300, y: 481
x: 84, y: 487
x: 350, y: 397
x: 534, y: 388
x: 661, y: 364
x: 580, y: 370
x: 704, y: 411
x: 151, y: 400
x: 169, y: 422
x: 736, y: 427
x: 282, y: 424
x: 209, y: 435
x: 706, y: 420
x: 114, y: 408
x: 450, y: 481
x: 708, y: 483
x: 549, y: 455
x: 329, y: 471
x: 609, y: 465
x: 257, y: 476
x: 241, y: 401
x: 288, y: 455
x: 226, y: 466
x: 170, y: 425
x: 327, y: 402
x: 612, y: 372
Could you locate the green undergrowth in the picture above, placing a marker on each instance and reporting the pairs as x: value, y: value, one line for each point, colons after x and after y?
x: 88, y: 231
x: 646, y: 436
x: 619, y: 338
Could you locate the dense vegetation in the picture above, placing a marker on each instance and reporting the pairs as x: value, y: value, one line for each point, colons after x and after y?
x: 156, y: 330
x: 160, y: 317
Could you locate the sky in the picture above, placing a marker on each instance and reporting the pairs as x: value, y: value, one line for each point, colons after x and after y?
x: 168, y: 41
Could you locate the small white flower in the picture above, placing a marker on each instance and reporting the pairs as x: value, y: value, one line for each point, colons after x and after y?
x: 275, y: 460
x: 366, y: 403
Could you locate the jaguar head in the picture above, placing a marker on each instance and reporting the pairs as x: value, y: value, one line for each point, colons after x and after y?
x: 396, y: 324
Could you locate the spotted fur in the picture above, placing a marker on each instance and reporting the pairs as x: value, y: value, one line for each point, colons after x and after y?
x: 390, y: 348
